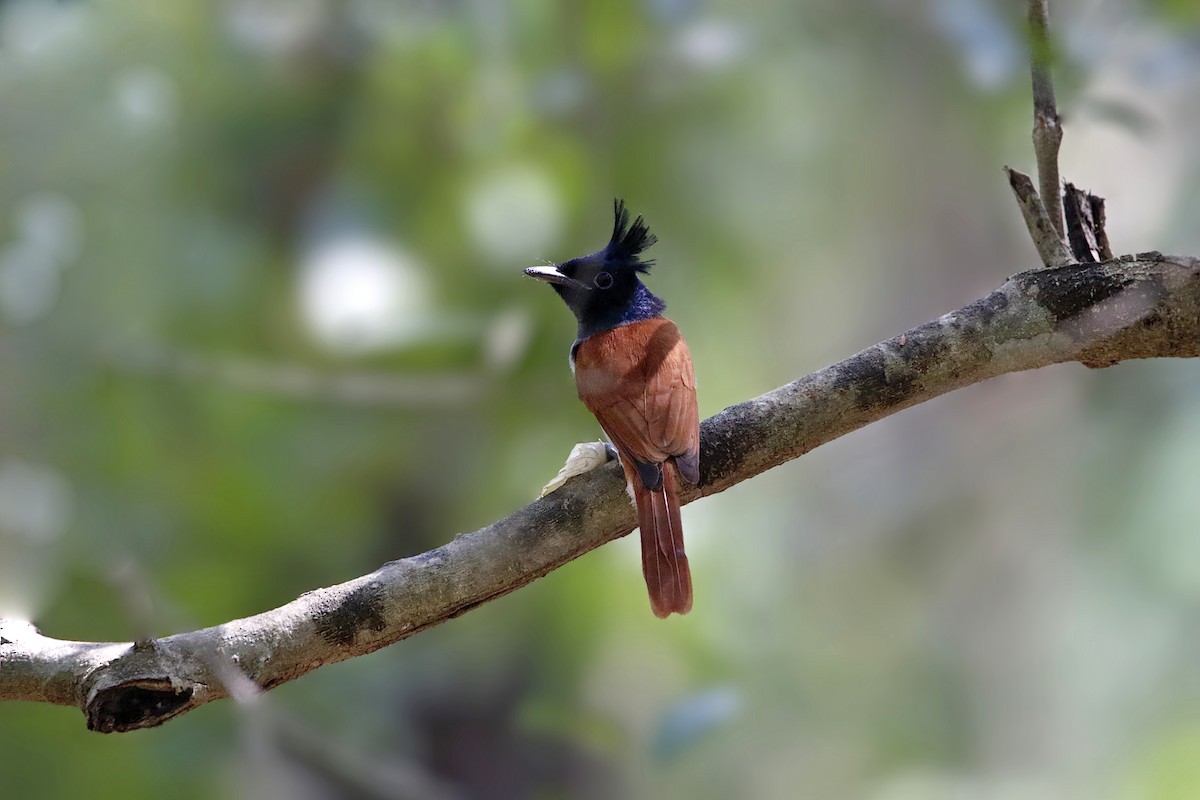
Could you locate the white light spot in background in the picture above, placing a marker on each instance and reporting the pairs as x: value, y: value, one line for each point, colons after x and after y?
x: 147, y: 97
x: 50, y: 237
x: 359, y: 293
x: 34, y: 502
x: 52, y: 223
x: 507, y: 339
x: 276, y: 27
x: 711, y: 44
x: 514, y: 215
x: 35, y: 506
x: 29, y: 283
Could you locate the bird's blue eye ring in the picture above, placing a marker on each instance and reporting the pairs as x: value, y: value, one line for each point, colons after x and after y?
x: 603, y: 280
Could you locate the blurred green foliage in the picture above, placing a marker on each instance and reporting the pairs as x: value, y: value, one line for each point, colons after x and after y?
x: 262, y: 327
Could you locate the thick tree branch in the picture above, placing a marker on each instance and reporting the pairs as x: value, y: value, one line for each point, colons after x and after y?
x: 1098, y: 314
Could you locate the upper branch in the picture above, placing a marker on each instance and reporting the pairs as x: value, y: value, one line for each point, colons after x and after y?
x: 1047, y: 133
x: 1084, y: 238
x: 1097, y: 314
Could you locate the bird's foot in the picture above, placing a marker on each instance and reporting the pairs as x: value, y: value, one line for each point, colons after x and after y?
x: 585, y: 457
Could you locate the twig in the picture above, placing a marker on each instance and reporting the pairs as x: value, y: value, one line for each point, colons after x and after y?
x: 1096, y: 314
x: 1049, y: 243
x: 1047, y: 133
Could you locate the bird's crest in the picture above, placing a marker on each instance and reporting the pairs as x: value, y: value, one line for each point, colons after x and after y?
x: 628, y: 241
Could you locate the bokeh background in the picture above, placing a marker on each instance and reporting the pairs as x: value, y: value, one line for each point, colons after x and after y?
x: 262, y: 328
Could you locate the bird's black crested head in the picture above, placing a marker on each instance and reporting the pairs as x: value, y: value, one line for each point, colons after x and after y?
x: 603, y: 289
x: 628, y: 242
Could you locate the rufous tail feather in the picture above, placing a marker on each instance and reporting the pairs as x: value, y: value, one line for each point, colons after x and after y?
x: 664, y: 563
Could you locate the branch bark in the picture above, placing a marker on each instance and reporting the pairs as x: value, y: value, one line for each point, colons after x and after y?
x: 1085, y: 225
x: 1143, y: 306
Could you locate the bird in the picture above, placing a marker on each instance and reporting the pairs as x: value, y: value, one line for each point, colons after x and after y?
x: 633, y: 371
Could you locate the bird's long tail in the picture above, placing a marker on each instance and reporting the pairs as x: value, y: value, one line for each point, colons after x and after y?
x: 664, y: 564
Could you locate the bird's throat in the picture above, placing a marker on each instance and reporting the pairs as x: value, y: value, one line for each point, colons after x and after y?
x: 642, y: 305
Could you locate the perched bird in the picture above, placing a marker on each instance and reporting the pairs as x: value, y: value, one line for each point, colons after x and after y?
x: 633, y: 371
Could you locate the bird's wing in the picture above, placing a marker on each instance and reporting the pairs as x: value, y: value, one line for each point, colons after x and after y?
x: 639, y: 382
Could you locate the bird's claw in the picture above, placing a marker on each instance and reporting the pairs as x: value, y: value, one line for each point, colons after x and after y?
x: 585, y: 457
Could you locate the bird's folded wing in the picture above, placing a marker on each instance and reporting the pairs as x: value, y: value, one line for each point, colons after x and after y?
x: 639, y: 382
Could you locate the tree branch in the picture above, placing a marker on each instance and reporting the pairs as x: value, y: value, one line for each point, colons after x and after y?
x: 1047, y: 133
x: 1098, y: 314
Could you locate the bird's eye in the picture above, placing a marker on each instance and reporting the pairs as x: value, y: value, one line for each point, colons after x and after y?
x: 603, y: 280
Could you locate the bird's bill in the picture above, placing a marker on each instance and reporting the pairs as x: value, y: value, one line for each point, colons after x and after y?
x: 550, y: 274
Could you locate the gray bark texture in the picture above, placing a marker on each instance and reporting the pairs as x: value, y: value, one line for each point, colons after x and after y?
x: 1145, y: 306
